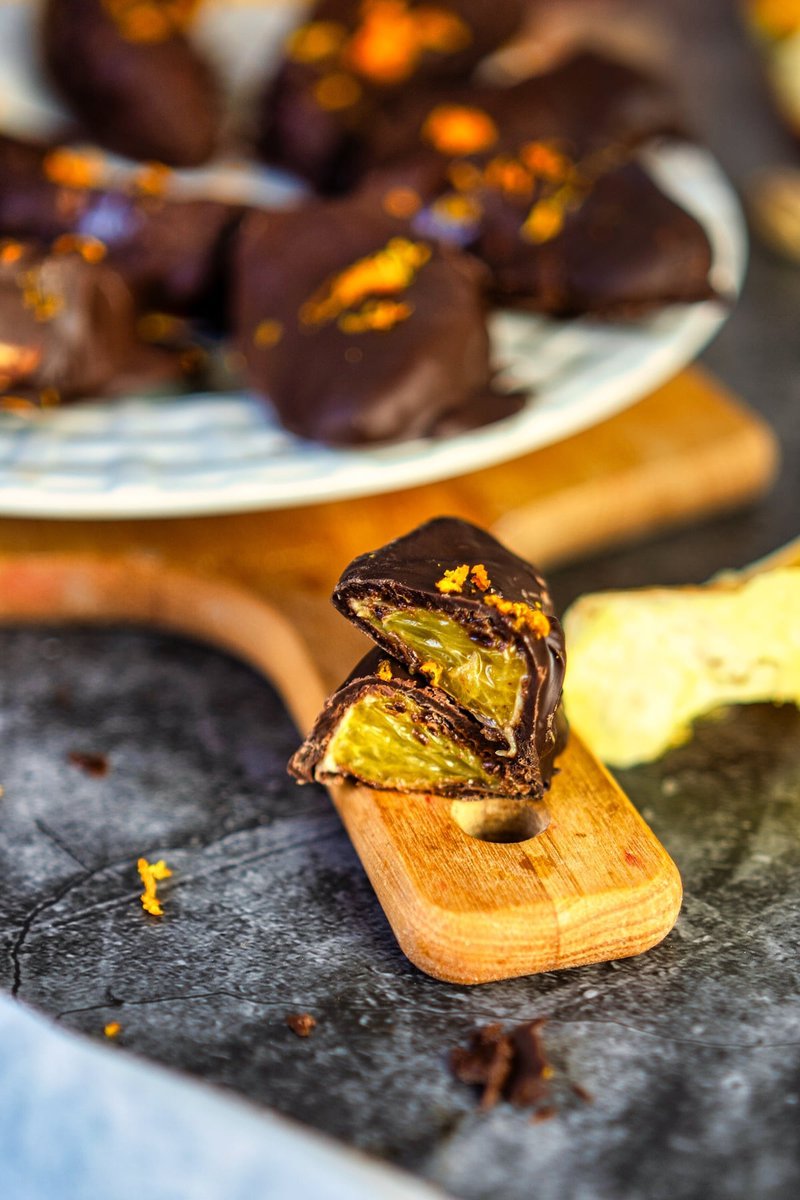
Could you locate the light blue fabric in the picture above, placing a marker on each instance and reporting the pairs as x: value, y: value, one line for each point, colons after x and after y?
x: 80, y: 1121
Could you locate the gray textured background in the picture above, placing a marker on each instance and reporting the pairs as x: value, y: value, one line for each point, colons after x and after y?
x: 692, y: 1052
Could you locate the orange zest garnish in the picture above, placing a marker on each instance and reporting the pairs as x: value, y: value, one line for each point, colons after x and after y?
x: 316, y: 41
x: 73, y: 168
x: 43, y: 304
x: 458, y: 129
x: 453, y: 580
x: 151, y: 874
x: 384, y: 670
x: 402, y: 202
x: 337, y: 90
x: 390, y: 270
x: 152, y: 179
x: 91, y: 249
x: 10, y: 252
x: 525, y: 616
x: 391, y: 38
x: 111, y: 1029
x: 148, y: 21
x: 479, y: 577
x: 544, y: 222
x: 545, y: 161
x: 18, y: 361
x: 375, y: 315
x: 508, y: 176
x: 433, y: 671
x: 268, y: 333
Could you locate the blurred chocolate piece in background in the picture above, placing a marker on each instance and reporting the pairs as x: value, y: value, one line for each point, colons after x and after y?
x: 351, y: 57
x: 171, y: 251
x: 66, y: 323
x: 129, y: 73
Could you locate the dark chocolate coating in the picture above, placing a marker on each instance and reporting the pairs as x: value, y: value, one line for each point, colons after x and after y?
x: 377, y: 385
x: 171, y: 252
x: 404, y: 573
x: 624, y: 248
x: 438, y: 712
x: 627, y: 249
x: 152, y: 98
x: 584, y: 105
x: 323, y: 144
x: 66, y: 326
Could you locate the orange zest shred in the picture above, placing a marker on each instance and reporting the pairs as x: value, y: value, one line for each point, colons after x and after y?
x: 459, y: 129
x: 384, y: 670
x: 509, y: 176
x: 375, y: 315
x: 391, y: 38
x: 152, y: 179
x: 91, y: 249
x: 453, y: 580
x: 111, y: 1029
x: 148, y: 20
x: 10, y: 252
x: 73, y: 168
x: 464, y: 176
x: 388, y: 271
x: 479, y: 577
x: 18, y: 361
x: 456, y: 209
x: 151, y: 874
x: 268, y: 333
x: 433, y: 671
x: 525, y: 616
x: 337, y: 90
x: 544, y: 160
x: 402, y: 202
x: 316, y: 41
x: 544, y: 222
x: 43, y: 304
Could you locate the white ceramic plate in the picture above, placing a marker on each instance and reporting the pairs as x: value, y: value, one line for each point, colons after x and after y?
x: 201, y: 454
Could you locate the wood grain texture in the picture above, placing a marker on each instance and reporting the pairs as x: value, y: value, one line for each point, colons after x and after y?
x: 596, y: 884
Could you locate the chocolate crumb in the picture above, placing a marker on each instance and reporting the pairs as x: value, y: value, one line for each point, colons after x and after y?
x: 507, y: 1065
x: 582, y: 1094
x: 301, y: 1023
x: 485, y: 1062
x: 530, y: 1070
x: 96, y: 765
x: 544, y: 1114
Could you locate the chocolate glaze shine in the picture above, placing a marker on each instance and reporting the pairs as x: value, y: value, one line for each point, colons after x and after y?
x: 149, y: 96
x: 404, y: 573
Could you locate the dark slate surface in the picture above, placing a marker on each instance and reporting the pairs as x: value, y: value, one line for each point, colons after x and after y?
x: 692, y: 1052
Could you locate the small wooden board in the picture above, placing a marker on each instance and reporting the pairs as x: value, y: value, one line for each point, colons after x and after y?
x: 595, y: 884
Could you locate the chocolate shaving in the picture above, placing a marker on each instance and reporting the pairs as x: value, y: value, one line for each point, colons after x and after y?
x: 96, y: 765
x: 302, y: 1024
x: 486, y: 1062
x: 510, y: 1064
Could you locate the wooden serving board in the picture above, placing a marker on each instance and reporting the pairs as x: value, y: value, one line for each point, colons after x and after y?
x: 594, y: 884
